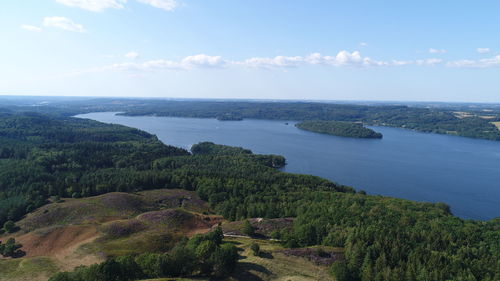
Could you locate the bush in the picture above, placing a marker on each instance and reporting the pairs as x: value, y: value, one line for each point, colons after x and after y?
x: 276, y: 234
x: 9, y: 226
x: 255, y: 249
x: 10, y: 248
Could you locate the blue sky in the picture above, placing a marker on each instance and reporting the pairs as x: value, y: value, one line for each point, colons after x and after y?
x: 280, y: 49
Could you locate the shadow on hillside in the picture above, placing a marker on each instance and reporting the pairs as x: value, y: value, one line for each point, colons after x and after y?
x: 19, y: 254
x: 244, y: 271
x: 266, y: 255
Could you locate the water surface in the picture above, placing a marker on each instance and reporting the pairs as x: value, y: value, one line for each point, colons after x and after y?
x: 462, y: 172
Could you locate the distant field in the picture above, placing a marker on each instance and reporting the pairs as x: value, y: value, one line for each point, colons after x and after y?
x: 496, y: 124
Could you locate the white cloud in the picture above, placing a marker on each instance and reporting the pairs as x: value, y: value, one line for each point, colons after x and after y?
x: 189, y: 62
x: 31, y: 28
x: 482, y: 63
x: 63, y: 23
x: 363, y: 44
x: 160, y: 64
x: 341, y: 59
x: 167, y: 5
x: 279, y: 61
x: 483, y: 50
x: 437, y: 51
x: 145, y: 66
x: 94, y: 5
x: 132, y: 55
x: 101, y: 5
x: 428, y: 62
x: 401, y: 62
x: 203, y: 60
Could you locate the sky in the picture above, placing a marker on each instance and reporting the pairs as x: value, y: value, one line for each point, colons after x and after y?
x: 447, y: 50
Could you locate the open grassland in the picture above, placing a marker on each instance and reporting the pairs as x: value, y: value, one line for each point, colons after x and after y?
x: 496, y: 124
x: 27, y: 269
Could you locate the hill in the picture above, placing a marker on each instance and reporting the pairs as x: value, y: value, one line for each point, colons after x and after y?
x: 63, y: 235
x: 85, y: 231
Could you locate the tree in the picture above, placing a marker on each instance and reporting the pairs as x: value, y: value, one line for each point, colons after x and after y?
x: 255, y: 249
x: 148, y: 262
x: 204, y: 252
x: 180, y: 261
x: 248, y: 229
x: 9, y: 249
x: 366, y: 269
x: 339, y: 271
x: 129, y: 267
x: 9, y: 226
x: 224, y: 260
x: 216, y: 236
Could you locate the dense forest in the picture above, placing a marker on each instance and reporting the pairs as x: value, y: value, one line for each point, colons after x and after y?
x: 339, y: 128
x: 46, y: 156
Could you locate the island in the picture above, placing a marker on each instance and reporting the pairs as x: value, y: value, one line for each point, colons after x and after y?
x: 339, y: 128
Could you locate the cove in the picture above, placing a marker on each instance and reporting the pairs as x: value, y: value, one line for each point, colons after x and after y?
x: 461, y: 172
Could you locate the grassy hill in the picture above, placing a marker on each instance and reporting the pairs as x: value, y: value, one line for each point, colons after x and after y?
x: 63, y: 235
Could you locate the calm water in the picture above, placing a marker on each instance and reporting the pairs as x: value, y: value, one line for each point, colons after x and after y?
x: 462, y: 172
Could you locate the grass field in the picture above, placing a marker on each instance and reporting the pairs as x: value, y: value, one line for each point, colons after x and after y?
x: 273, y: 265
x: 28, y: 269
x: 496, y: 124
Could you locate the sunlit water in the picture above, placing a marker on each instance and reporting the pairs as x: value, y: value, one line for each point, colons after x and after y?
x: 462, y: 172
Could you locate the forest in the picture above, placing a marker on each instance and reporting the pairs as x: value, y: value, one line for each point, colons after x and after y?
x: 49, y: 156
x: 338, y: 128
x: 432, y: 119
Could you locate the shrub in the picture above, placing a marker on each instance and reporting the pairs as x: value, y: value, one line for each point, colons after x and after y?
x: 255, y: 249
x: 9, y: 226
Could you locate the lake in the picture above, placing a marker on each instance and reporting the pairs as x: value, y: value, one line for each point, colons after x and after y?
x: 462, y: 172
